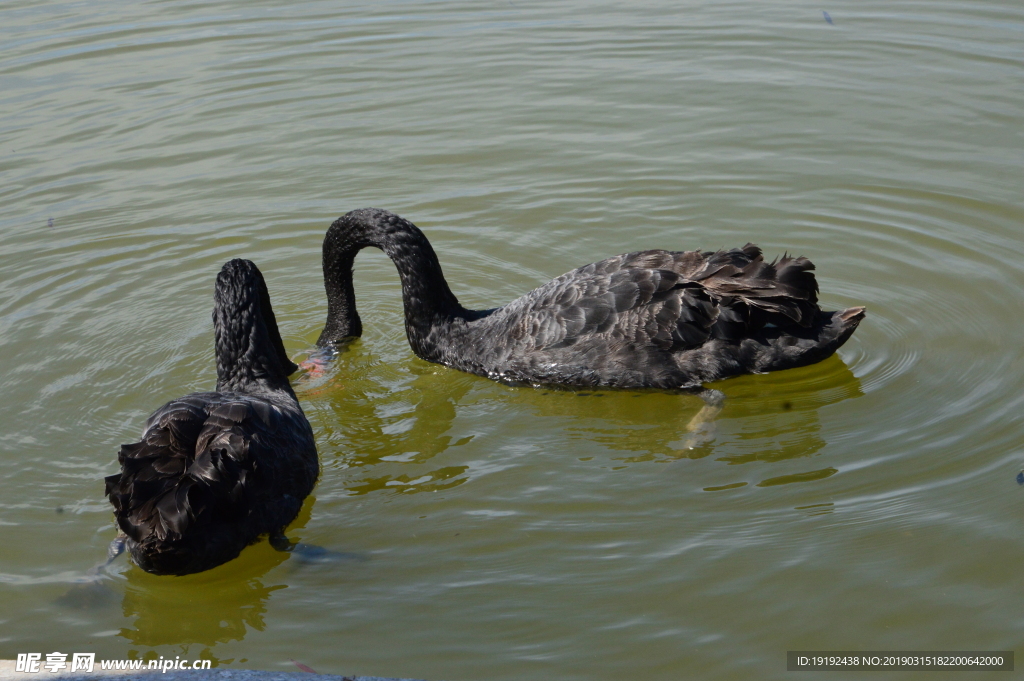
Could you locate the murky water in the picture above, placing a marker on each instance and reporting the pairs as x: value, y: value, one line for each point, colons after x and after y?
x: 490, y: 532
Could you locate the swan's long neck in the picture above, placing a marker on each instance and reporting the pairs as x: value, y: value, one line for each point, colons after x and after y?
x: 250, y: 354
x: 429, y: 303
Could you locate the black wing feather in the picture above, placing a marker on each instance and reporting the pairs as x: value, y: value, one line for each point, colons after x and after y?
x: 211, y: 474
x: 674, y: 300
x: 632, y: 319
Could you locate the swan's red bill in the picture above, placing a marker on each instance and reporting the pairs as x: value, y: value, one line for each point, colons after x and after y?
x: 313, y: 367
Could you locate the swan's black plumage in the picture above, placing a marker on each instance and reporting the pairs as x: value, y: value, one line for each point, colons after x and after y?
x: 649, y: 319
x: 214, y: 471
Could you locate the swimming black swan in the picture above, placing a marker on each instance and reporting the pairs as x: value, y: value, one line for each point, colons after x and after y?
x: 215, y: 471
x: 648, y: 319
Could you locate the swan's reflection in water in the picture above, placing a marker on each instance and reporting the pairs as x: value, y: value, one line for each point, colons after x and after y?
x: 395, y: 422
x: 386, y: 420
x: 206, y: 609
x: 769, y: 418
x: 194, y: 613
x: 779, y: 418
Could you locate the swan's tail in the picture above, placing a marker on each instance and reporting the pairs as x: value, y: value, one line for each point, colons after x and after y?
x: 776, y: 348
x: 830, y: 331
x: 181, y: 496
x: 843, y: 324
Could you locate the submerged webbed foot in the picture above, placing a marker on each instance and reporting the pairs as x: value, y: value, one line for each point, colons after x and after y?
x: 311, y: 554
x: 92, y: 592
x: 87, y: 596
x: 702, y: 428
x: 281, y: 542
x: 116, y: 548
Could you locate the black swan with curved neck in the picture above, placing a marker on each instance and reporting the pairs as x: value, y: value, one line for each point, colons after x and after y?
x: 214, y: 471
x: 648, y: 319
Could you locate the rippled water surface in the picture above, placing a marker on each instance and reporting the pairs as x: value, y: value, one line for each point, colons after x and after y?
x: 493, y: 532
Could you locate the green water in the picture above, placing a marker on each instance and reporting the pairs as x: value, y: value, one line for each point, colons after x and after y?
x: 496, y: 533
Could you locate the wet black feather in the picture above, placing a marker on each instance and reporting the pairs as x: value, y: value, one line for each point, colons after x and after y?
x: 662, y: 319
x: 214, y: 471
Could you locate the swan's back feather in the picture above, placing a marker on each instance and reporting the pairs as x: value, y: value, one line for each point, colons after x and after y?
x: 212, y: 473
x: 672, y: 300
x: 654, y: 318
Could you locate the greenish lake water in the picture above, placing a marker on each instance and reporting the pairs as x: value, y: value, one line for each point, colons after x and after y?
x: 497, y: 533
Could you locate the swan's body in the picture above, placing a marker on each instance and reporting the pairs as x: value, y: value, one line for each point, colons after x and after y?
x: 649, y: 319
x: 214, y: 471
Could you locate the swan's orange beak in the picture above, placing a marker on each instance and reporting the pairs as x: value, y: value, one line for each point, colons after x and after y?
x: 316, y: 364
x: 313, y: 368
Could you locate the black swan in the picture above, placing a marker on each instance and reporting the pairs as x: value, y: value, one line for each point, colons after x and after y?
x: 648, y: 319
x: 214, y: 471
